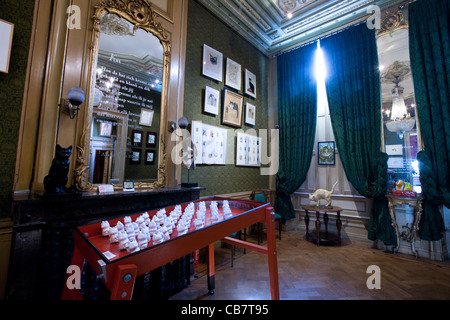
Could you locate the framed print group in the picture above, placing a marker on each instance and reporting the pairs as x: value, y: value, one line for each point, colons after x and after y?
x: 233, y: 74
x: 212, y: 63
x: 6, y: 36
x: 211, y: 101
x: 250, y: 83
x: 232, y: 108
x: 248, y: 150
x: 210, y: 143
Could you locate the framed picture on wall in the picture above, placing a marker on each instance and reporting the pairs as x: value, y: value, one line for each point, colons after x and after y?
x: 135, y: 156
x: 6, y: 36
x: 250, y: 114
x: 232, y: 108
x: 211, y: 101
x: 326, y: 153
x: 248, y: 150
x: 151, y: 139
x: 105, y: 129
x: 212, y: 63
x: 250, y: 83
x: 136, y: 138
x: 146, y: 117
x: 149, y: 157
x: 233, y: 75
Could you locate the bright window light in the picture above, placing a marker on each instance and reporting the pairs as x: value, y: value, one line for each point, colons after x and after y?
x: 320, y: 67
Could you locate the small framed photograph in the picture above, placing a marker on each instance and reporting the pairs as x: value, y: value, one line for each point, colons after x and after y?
x: 326, y: 153
x: 250, y: 114
x: 105, y: 129
x: 149, y: 157
x: 211, y: 100
x: 146, y: 117
x: 135, y: 157
x: 232, y: 108
x: 233, y: 75
x: 136, y: 138
x: 6, y: 36
x: 250, y: 83
x: 128, y: 185
x: 212, y: 63
x: 151, y: 139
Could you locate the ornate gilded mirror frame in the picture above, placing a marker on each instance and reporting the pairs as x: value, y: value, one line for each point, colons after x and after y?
x: 141, y: 15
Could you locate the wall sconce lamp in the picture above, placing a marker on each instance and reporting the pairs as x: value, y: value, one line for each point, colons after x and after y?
x: 182, y: 124
x: 71, y: 105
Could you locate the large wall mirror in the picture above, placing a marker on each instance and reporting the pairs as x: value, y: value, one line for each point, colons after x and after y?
x: 401, y: 132
x: 125, y: 124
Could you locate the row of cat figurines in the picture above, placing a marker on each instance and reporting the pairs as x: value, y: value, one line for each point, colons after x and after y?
x: 322, y: 194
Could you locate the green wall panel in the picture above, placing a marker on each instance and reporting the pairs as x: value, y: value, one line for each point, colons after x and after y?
x: 20, y: 13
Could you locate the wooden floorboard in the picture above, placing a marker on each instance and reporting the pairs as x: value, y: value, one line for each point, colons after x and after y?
x: 308, y: 272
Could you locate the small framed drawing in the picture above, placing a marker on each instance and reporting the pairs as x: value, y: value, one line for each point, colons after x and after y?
x: 250, y: 83
x: 211, y: 100
x: 212, y: 63
x: 232, y: 108
x: 326, y: 153
x: 149, y: 157
x: 128, y: 185
x: 6, y: 36
x: 105, y: 129
x: 250, y: 114
x: 151, y: 139
x: 146, y: 117
x: 136, y: 138
x: 233, y: 75
x: 135, y: 157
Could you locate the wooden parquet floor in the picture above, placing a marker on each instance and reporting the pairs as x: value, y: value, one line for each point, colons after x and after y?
x: 308, y: 272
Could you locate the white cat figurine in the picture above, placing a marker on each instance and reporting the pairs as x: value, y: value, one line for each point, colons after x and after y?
x: 322, y: 194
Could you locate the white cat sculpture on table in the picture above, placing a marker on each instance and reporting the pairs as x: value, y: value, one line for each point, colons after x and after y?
x: 320, y: 194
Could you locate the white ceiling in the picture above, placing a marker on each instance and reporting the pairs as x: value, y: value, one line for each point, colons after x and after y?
x: 265, y: 24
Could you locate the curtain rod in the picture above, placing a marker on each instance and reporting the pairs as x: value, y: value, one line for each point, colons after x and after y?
x: 334, y: 31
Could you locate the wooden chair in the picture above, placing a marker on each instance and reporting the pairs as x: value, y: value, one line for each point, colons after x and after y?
x: 263, y: 196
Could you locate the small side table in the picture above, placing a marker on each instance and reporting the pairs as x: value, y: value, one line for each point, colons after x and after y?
x: 318, y: 236
x: 416, y: 204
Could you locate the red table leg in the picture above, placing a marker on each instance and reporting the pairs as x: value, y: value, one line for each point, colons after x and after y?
x: 272, y: 254
x: 123, y: 284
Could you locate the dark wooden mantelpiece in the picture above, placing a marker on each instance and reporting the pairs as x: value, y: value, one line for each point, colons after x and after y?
x: 43, y: 232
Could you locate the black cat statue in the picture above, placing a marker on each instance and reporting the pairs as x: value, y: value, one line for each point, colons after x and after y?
x: 55, y: 181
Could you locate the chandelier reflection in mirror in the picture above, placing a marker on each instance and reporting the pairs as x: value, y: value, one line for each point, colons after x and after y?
x: 400, y: 119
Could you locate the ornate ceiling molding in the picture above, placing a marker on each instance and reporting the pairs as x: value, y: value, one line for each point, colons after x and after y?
x: 265, y: 24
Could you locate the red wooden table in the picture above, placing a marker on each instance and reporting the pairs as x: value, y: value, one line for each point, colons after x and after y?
x: 120, y: 271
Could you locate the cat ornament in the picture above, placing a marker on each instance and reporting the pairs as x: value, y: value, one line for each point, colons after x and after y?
x: 320, y: 194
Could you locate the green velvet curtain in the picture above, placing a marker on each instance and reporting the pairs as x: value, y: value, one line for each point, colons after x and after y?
x: 354, y: 97
x: 429, y: 36
x: 297, y: 111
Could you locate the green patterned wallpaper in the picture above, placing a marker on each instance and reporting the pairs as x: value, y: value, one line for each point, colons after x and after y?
x: 11, y: 94
x: 204, y: 28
